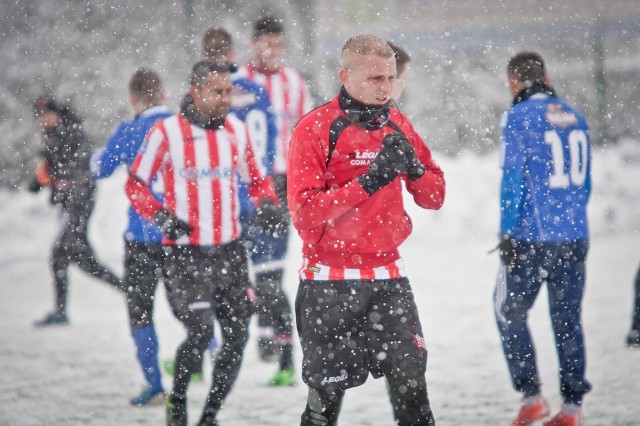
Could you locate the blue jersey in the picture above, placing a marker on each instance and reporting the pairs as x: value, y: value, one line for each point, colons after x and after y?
x: 121, y: 148
x: 250, y: 103
x: 546, y: 171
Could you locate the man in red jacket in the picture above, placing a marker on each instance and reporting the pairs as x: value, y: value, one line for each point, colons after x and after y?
x: 200, y: 153
x: 355, y: 310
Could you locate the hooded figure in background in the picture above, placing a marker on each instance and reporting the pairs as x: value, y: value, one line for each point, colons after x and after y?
x: 64, y: 168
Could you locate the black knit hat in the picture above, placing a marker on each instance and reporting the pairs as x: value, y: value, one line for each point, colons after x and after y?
x: 46, y: 103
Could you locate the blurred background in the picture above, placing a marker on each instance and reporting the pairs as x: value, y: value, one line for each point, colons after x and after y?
x: 83, y: 52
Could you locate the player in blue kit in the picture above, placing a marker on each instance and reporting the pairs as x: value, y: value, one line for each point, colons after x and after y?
x: 143, y: 239
x: 250, y: 102
x: 545, y: 188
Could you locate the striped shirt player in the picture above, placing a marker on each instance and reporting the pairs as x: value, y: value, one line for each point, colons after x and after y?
x: 200, y: 170
x: 200, y: 154
x: 290, y: 99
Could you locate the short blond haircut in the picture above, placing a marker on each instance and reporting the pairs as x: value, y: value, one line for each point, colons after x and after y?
x: 364, y: 44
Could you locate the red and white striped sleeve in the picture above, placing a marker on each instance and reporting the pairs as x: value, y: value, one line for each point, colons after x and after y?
x: 143, y: 170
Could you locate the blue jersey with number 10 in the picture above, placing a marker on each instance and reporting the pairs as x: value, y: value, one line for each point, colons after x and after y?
x: 546, y: 171
x: 250, y: 103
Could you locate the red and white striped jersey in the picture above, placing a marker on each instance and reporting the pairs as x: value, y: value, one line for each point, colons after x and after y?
x: 290, y: 100
x: 200, y: 170
x: 318, y: 272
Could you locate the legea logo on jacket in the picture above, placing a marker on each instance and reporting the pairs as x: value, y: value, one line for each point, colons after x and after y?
x: 361, y: 158
x: 194, y: 173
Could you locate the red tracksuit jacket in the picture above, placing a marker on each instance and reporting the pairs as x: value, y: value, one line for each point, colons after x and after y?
x: 340, y: 224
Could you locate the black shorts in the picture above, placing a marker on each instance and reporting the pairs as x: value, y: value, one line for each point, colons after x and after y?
x: 349, y: 329
x: 209, y: 280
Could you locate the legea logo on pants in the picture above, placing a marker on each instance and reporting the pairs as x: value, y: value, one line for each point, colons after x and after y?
x: 335, y: 379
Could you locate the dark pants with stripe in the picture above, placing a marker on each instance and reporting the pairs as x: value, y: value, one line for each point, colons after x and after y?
x: 561, y: 266
x: 208, y: 282
x: 351, y: 328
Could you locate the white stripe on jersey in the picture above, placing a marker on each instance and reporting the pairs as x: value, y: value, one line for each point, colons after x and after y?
x: 351, y: 273
x: 205, y: 192
x: 382, y: 273
x: 227, y: 186
x: 295, y: 96
x: 319, y: 272
x: 277, y: 95
x: 242, y: 134
x: 176, y: 151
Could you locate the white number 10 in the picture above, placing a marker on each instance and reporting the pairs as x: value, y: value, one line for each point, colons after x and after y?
x: 577, y: 161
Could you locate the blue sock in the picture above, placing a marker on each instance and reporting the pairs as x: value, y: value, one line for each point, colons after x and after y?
x: 147, y: 350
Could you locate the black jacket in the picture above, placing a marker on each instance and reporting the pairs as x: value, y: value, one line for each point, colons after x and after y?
x: 67, y: 152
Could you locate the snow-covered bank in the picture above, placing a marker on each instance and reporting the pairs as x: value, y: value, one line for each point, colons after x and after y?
x: 84, y: 373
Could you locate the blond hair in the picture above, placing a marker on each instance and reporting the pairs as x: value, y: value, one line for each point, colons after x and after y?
x: 364, y: 44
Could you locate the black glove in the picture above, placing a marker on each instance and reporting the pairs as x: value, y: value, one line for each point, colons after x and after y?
x: 172, y: 226
x: 270, y: 217
x: 507, y: 249
x: 414, y: 167
x: 387, y: 165
x: 34, y: 186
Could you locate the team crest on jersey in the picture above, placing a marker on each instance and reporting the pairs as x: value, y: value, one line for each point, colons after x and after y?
x: 557, y: 116
x: 361, y: 158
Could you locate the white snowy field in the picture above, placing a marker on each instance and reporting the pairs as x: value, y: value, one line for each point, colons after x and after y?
x: 84, y: 373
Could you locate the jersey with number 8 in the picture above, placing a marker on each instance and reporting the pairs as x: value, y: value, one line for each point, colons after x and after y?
x: 250, y: 103
x: 546, y: 171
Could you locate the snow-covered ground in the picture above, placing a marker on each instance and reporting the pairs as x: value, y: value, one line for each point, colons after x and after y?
x: 84, y: 373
